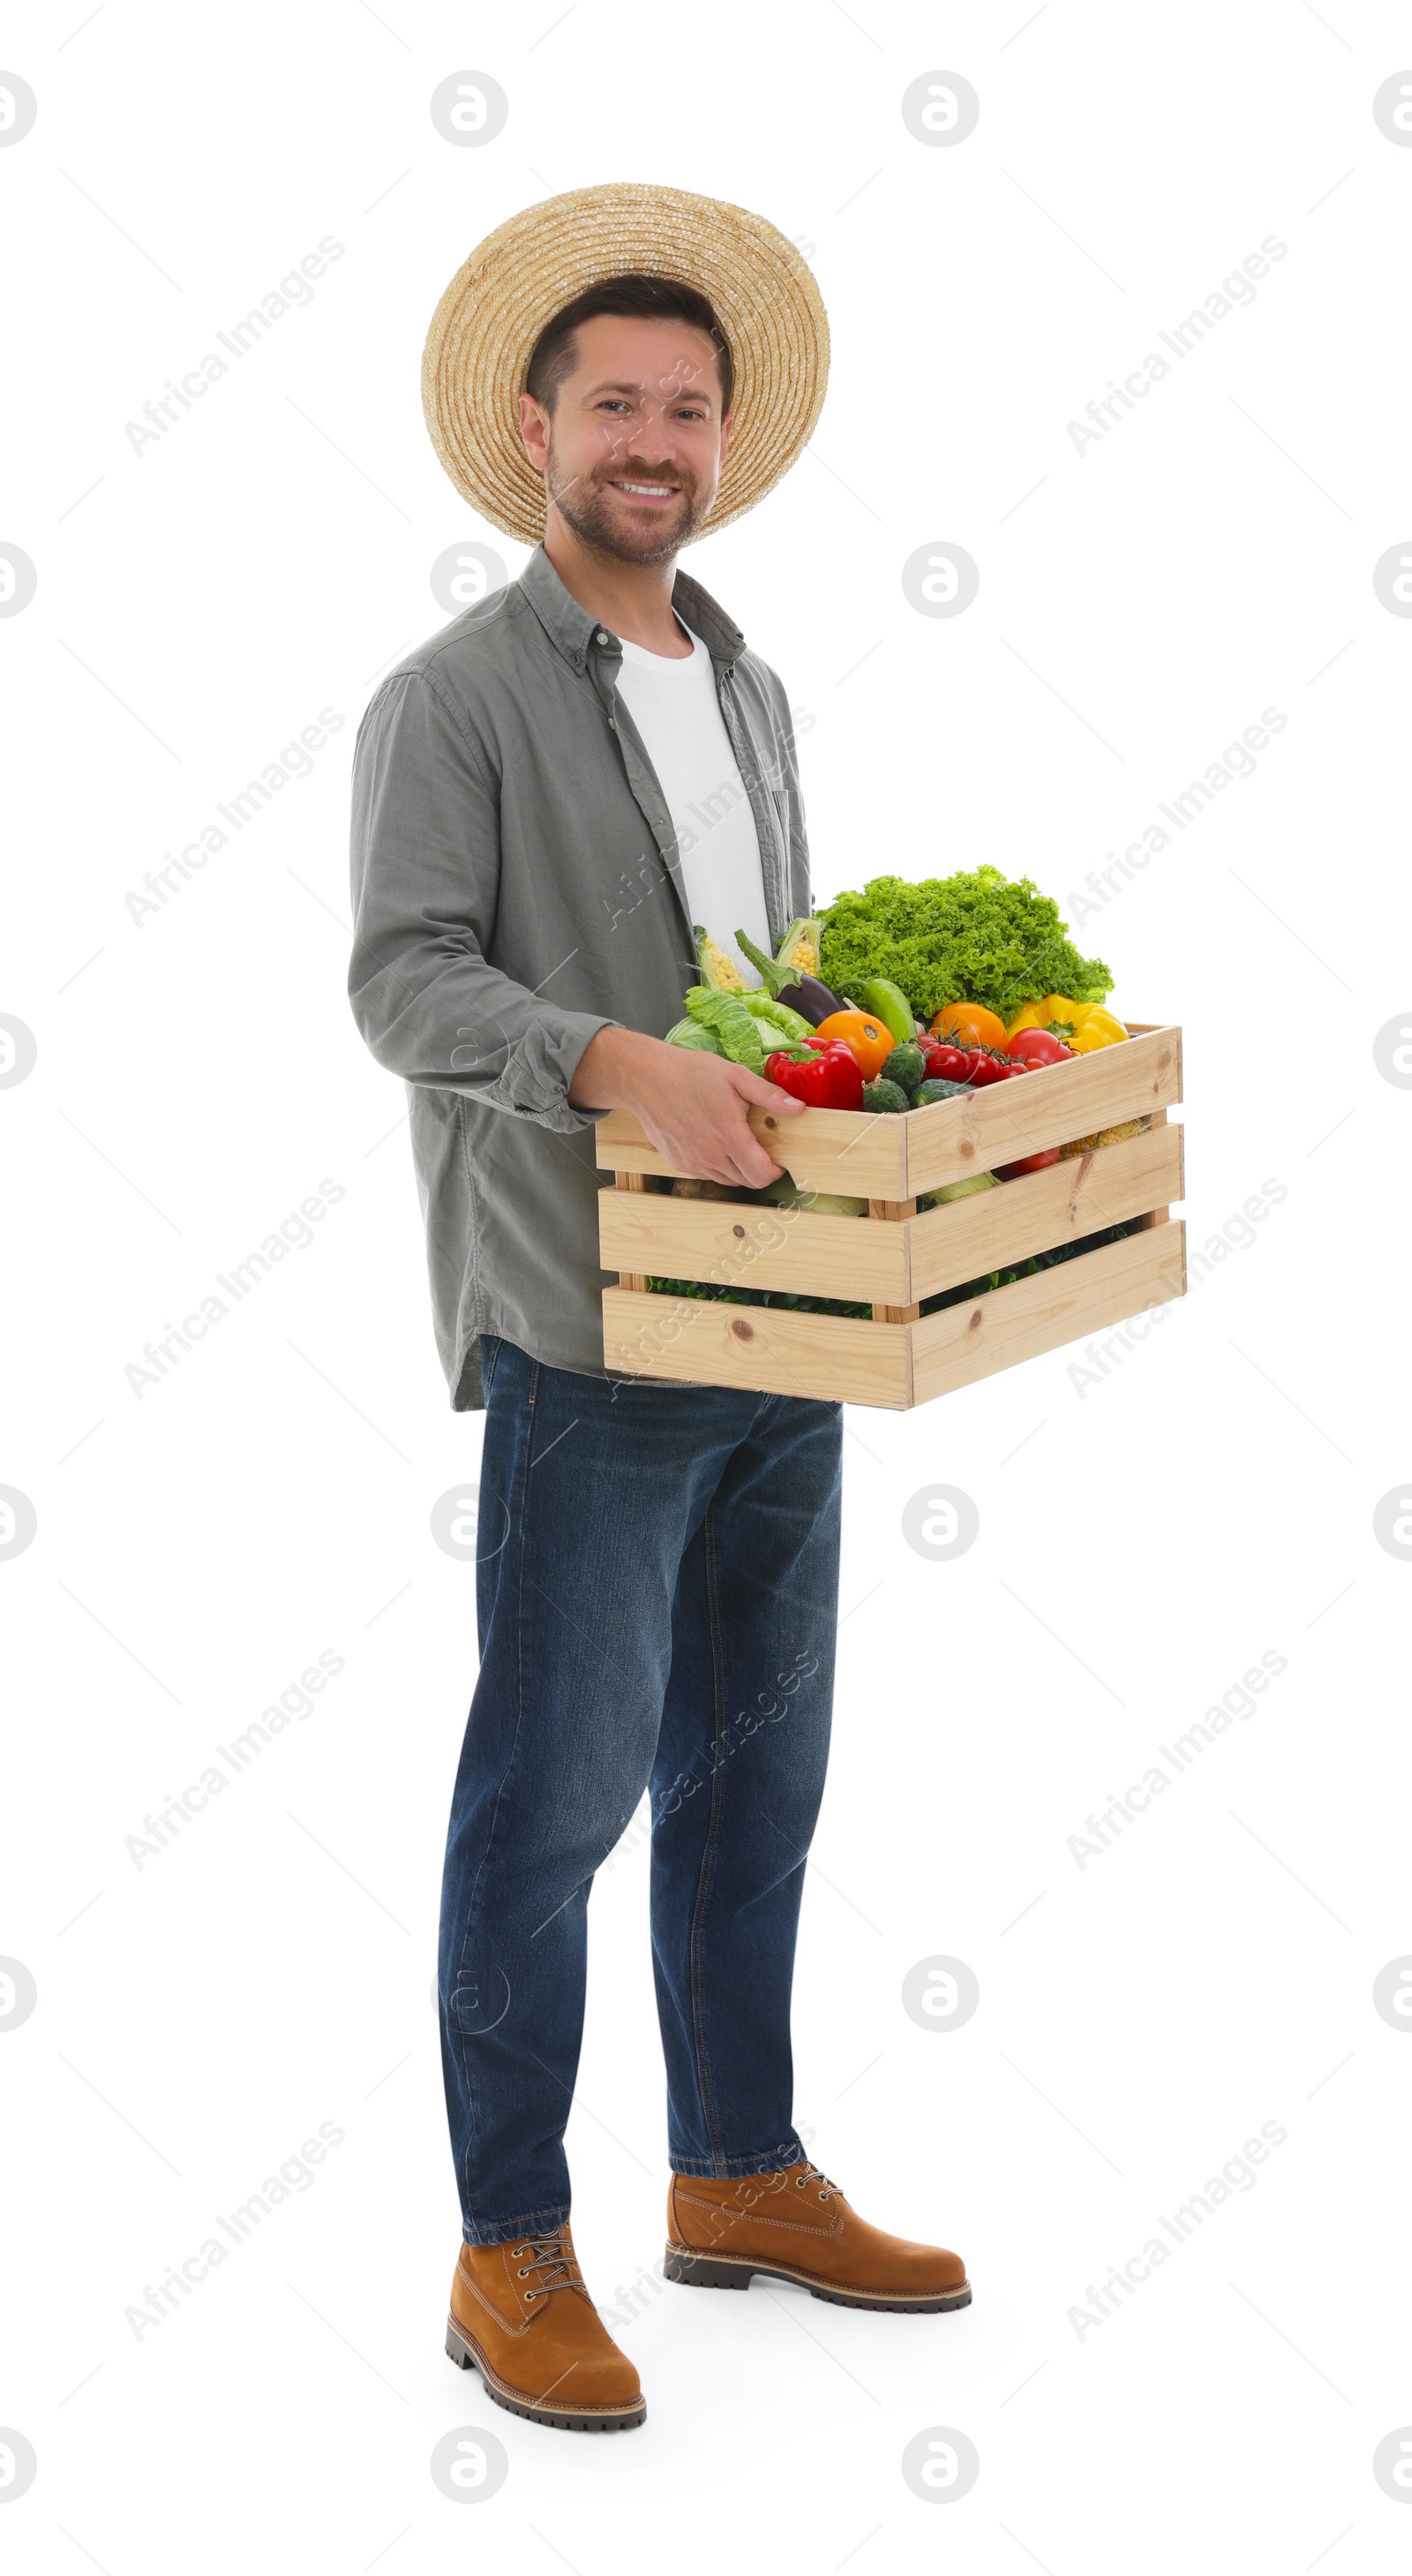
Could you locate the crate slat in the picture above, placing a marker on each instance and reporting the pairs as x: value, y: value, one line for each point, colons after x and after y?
x: 1159, y: 1215
x: 996, y: 1228
x: 633, y: 1182
x: 740, y: 1246
x: 887, y: 1260
x: 822, y: 1149
x: 892, y: 1365
x: 921, y: 1149
x: 896, y: 1212
x: 828, y: 1356
x: 1012, y: 1119
x: 1067, y: 1304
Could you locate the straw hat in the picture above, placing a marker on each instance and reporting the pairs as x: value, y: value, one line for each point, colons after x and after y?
x: 527, y: 270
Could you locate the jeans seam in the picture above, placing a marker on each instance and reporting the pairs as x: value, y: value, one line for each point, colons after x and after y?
x: 703, y: 2073
x: 465, y: 2036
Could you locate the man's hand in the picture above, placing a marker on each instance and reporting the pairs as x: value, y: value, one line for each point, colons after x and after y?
x: 690, y: 1105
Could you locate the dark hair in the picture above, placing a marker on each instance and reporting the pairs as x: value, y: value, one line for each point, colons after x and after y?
x: 664, y: 299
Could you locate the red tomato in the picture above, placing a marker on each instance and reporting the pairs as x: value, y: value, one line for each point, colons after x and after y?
x: 1028, y: 1163
x: 986, y: 1069
x: 947, y: 1063
x: 1038, y: 1046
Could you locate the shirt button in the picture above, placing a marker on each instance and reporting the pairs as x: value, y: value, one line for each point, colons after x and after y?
x: 612, y: 724
x: 601, y: 637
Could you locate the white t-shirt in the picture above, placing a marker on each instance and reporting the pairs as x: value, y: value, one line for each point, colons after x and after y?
x: 675, y: 709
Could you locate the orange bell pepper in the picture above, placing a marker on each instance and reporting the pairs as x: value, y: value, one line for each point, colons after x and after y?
x: 969, y: 1024
x: 869, y: 1041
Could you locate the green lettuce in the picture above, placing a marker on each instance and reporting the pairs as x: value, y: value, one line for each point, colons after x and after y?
x: 974, y: 937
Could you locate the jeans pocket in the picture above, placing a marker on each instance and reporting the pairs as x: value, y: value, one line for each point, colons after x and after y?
x: 490, y: 1349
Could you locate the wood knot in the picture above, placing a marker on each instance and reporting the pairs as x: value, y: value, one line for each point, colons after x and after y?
x: 740, y: 1230
x: 743, y: 1332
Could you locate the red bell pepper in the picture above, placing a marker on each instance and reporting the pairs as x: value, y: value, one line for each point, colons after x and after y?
x: 827, y: 1077
x: 846, y: 1084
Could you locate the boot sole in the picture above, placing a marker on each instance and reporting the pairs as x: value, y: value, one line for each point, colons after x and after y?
x: 733, y: 2272
x: 604, y: 2419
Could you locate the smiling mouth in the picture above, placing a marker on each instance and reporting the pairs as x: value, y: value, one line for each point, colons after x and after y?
x: 648, y: 491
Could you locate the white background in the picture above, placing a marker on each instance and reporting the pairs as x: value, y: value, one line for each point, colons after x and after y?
x: 1142, y: 1541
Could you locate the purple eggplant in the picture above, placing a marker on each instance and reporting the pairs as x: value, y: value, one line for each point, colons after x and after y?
x: 802, y: 993
x: 810, y: 998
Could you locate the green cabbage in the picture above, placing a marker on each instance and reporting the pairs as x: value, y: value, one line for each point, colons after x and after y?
x: 737, y: 1033
x: 786, y: 1193
x: 690, y: 1033
x: 785, y: 1027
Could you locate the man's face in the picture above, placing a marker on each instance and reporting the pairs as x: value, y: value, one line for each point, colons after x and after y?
x: 632, y: 451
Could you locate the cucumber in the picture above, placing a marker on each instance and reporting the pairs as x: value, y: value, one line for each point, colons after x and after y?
x: 884, y: 1095
x: 906, y: 1066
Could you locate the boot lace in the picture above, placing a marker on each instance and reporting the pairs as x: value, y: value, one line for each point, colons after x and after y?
x: 807, y: 2173
x: 551, y: 2263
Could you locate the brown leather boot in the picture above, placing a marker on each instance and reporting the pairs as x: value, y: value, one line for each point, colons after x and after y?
x: 520, y: 2314
x: 797, y: 2226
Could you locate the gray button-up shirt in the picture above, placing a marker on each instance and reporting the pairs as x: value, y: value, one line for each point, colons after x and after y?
x: 516, y: 887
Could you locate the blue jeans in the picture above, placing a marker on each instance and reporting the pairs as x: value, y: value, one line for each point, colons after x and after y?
x: 657, y: 1595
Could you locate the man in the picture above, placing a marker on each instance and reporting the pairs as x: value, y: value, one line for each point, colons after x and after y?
x: 546, y: 796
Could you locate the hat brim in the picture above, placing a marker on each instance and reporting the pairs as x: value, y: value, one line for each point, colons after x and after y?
x: 527, y: 270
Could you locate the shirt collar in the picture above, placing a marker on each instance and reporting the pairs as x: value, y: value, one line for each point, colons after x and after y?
x: 573, y: 630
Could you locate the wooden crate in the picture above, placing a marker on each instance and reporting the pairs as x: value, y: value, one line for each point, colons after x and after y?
x: 896, y: 1257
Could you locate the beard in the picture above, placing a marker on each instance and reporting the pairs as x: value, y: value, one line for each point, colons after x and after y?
x: 585, y: 503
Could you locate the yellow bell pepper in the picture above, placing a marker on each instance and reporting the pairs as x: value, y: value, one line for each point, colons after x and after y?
x: 1096, y: 1028
x: 1082, y: 1025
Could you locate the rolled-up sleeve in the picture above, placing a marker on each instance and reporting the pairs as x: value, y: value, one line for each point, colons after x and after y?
x: 426, y: 860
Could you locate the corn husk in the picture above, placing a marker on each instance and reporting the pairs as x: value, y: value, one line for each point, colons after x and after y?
x: 1104, y: 1136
